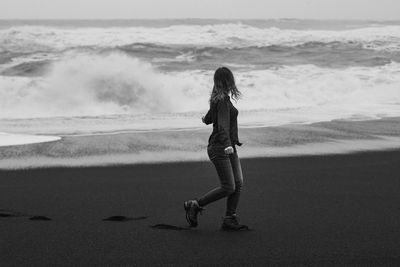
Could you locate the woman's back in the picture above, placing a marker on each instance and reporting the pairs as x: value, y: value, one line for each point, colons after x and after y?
x: 223, y: 115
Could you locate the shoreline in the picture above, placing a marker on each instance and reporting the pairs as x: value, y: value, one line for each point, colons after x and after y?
x: 334, y: 137
x: 337, y: 147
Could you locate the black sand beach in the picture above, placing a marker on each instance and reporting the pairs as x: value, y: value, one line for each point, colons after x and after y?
x: 339, y: 210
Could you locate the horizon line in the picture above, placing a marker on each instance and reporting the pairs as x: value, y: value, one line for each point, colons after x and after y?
x: 194, y: 18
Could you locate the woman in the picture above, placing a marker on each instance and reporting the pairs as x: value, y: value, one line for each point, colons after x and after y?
x: 222, y: 152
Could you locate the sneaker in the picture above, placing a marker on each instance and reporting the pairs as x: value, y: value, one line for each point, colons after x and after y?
x: 231, y: 223
x: 192, y: 209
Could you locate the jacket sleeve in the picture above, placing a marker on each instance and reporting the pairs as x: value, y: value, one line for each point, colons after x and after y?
x: 223, y: 118
x: 208, y: 118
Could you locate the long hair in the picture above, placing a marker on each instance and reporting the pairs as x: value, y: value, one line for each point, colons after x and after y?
x: 224, y: 83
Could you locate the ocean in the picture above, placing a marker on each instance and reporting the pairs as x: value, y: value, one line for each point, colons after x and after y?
x: 77, y: 77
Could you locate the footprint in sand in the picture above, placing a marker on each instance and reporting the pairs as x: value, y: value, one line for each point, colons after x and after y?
x: 119, y: 218
x: 168, y: 227
x: 39, y: 218
x: 11, y: 214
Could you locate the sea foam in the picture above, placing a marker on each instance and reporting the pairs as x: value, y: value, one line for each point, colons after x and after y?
x: 8, y: 139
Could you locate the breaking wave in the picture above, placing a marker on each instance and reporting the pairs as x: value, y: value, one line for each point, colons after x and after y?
x: 80, y: 85
x: 115, y: 83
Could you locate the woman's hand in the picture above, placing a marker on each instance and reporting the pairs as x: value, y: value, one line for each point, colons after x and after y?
x: 229, y: 150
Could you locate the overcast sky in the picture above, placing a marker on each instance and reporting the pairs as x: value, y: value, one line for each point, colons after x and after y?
x: 220, y: 9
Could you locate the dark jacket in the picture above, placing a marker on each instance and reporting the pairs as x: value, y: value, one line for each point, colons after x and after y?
x: 223, y: 115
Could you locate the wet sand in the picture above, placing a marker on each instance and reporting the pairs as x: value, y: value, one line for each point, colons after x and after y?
x: 305, y: 211
x: 174, y: 145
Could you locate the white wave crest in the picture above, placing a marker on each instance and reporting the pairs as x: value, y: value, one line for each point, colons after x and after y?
x: 41, y: 38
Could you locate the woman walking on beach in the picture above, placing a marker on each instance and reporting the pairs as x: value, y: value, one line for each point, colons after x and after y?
x: 222, y: 152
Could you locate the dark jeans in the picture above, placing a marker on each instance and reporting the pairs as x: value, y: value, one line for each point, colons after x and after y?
x: 231, y: 178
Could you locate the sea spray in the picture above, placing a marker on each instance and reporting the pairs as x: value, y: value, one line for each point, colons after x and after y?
x: 89, y: 84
